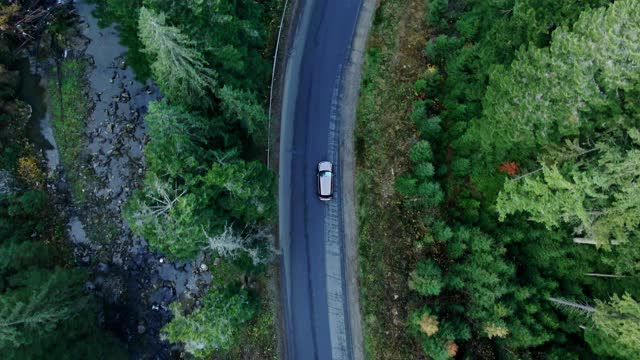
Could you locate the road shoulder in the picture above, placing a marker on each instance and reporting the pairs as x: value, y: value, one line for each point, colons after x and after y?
x: 349, y: 102
x: 289, y: 26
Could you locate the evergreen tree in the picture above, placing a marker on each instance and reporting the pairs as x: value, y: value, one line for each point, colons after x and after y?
x: 618, y: 321
x: 44, y: 310
x: 241, y: 107
x: 615, y: 325
x: 213, y: 326
x: 564, y: 90
x: 426, y: 279
x: 36, y: 302
x: 231, y: 36
x: 172, y: 130
x: 597, y: 195
x: 178, y: 67
x: 167, y: 217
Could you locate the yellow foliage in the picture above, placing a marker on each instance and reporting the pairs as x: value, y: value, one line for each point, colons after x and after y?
x: 429, y: 324
x: 6, y: 13
x: 493, y: 330
x: 29, y: 170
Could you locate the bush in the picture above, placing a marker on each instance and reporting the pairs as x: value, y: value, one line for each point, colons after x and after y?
x: 421, y: 152
x: 213, y: 326
x: 424, y: 171
x: 430, y: 129
x: 442, y: 48
x: 426, y: 279
x: 435, y: 13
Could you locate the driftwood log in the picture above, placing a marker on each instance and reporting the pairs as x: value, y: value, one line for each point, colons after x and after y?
x: 27, y: 20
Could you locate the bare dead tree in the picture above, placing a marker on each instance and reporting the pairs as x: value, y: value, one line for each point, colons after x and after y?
x: 231, y: 243
x: 27, y: 20
x: 605, y: 275
x: 575, y: 305
x: 163, y: 199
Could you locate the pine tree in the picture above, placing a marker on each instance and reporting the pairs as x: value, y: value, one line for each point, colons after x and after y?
x: 41, y: 300
x: 167, y: 217
x: 172, y: 130
x: 619, y: 321
x: 241, y: 107
x: 213, y: 326
x: 564, y: 90
x: 44, y: 310
x: 242, y: 189
x: 598, y: 195
x: 426, y: 279
x: 615, y: 326
x: 178, y: 67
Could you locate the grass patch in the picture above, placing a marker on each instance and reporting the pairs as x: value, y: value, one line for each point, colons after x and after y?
x: 384, y: 134
x: 69, y: 108
x: 258, y: 338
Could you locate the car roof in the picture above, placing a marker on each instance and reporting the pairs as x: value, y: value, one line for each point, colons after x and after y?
x: 325, y: 166
x: 325, y: 185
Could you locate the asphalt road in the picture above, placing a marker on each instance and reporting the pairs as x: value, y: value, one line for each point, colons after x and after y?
x: 311, y: 231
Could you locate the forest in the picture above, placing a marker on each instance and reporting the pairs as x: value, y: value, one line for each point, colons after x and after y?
x: 517, y: 204
x: 522, y: 193
x: 45, y: 311
x: 206, y: 188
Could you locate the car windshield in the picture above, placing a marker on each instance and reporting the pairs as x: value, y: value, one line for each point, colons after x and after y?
x: 325, y: 174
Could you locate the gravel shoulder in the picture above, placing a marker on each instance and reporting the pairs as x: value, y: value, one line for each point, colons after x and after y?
x: 349, y: 103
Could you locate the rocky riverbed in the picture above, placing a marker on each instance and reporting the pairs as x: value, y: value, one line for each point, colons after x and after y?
x: 136, y: 284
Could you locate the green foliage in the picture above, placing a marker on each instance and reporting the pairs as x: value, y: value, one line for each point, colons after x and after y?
x: 436, y: 12
x: 598, y: 195
x: 437, y: 336
x: 243, y: 189
x: 242, y: 107
x: 210, y: 60
x: 525, y: 109
x: 426, y: 279
x: 430, y: 128
x: 69, y: 108
x: 177, y: 66
x: 202, y: 181
x: 421, y: 152
x: 544, y: 85
x: 230, y: 35
x: 442, y: 48
x: 44, y: 311
x: 167, y: 219
x: 618, y: 321
x: 418, y: 187
x: 25, y: 312
x: 198, y: 190
x: 173, y: 130
x: 213, y: 326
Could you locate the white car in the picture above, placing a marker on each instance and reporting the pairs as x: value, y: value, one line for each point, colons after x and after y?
x: 325, y: 181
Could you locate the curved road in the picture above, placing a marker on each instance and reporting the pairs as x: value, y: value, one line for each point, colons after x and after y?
x: 311, y: 231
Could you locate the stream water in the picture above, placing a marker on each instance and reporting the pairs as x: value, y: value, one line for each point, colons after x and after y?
x: 32, y: 90
x: 135, y: 284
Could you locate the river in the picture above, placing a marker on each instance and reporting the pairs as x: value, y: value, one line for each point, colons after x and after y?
x: 135, y: 285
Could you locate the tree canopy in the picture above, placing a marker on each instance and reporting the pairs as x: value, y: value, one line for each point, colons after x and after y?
x: 527, y: 150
